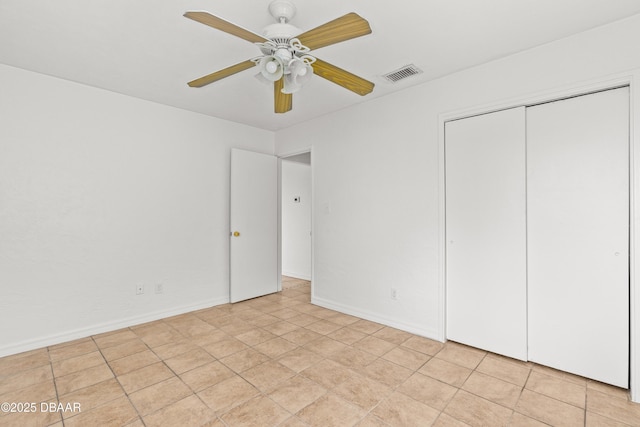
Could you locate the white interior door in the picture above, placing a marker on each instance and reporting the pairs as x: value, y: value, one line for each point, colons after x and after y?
x: 578, y: 235
x: 254, y: 225
x: 486, y: 232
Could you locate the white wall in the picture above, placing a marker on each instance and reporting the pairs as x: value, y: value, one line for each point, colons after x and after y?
x: 100, y: 192
x: 296, y: 220
x: 377, y: 200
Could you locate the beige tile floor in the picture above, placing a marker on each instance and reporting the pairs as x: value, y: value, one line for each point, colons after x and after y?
x: 280, y: 361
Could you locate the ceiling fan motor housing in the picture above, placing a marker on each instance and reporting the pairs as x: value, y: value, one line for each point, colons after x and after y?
x: 281, y: 33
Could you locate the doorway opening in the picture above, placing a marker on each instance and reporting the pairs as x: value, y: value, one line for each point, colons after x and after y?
x: 295, y: 221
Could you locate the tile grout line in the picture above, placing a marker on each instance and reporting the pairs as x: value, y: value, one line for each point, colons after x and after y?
x: 175, y: 374
x: 586, y: 391
x: 116, y: 377
x: 524, y: 385
x: 55, y: 384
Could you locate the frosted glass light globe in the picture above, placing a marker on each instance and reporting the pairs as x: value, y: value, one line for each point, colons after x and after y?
x: 272, y: 67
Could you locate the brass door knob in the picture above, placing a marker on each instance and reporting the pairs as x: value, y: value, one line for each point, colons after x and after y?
x: 236, y: 233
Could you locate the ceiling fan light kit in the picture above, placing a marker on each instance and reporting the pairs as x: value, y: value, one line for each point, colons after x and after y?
x: 285, y: 58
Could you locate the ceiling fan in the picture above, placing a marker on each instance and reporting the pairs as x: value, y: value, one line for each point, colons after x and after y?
x: 285, y: 58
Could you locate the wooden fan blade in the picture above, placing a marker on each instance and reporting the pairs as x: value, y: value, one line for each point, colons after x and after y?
x: 220, y: 24
x: 341, y: 77
x: 344, y: 28
x: 218, y: 75
x: 283, y: 101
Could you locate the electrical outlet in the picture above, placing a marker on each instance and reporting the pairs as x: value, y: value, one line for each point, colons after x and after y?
x: 394, y: 293
x: 159, y: 288
x: 139, y: 289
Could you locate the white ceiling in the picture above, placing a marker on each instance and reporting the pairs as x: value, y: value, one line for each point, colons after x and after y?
x: 147, y: 49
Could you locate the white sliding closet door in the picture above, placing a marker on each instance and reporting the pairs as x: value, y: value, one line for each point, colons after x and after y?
x: 578, y: 235
x: 486, y: 232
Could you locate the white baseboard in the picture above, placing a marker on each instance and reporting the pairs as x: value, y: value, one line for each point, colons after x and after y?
x: 376, y: 317
x: 36, y: 343
x: 296, y: 275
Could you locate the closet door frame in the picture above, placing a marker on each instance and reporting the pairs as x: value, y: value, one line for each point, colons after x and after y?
x: 567, y: 91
